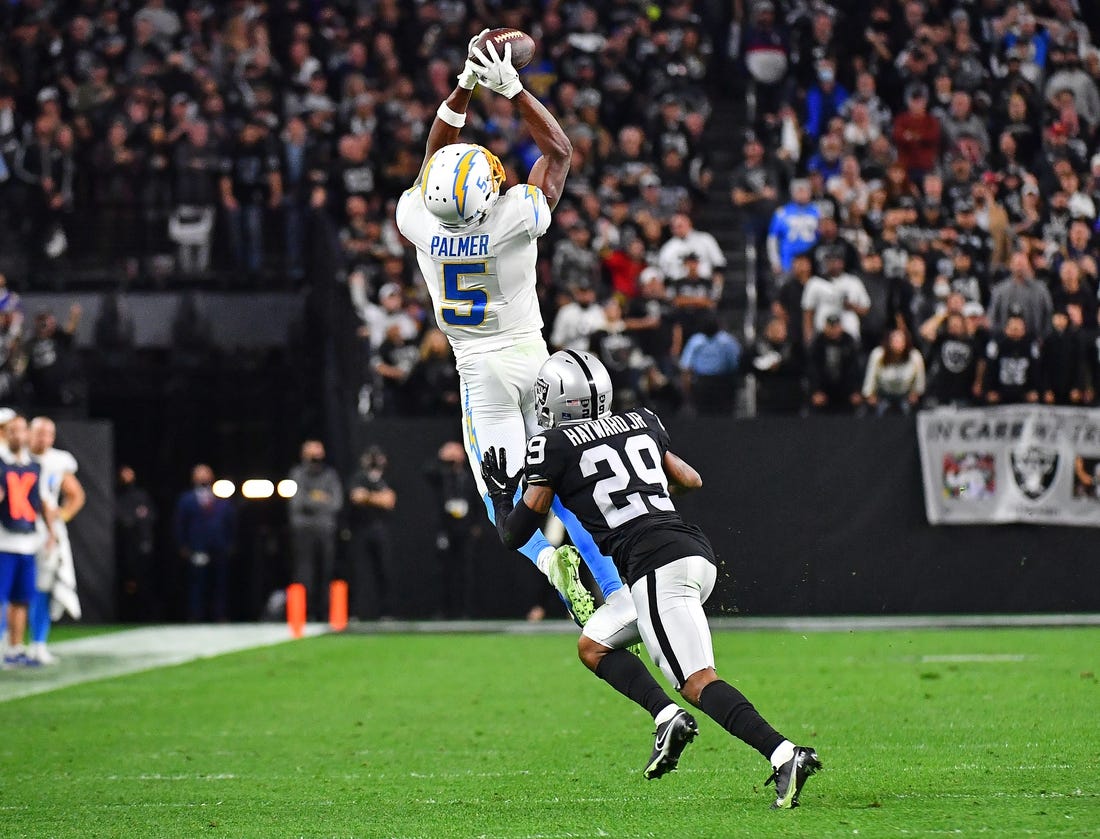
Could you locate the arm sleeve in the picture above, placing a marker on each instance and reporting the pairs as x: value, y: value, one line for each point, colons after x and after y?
x: 515, y: 525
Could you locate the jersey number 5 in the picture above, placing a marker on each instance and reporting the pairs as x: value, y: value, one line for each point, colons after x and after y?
x: 643, y: 466
x: 469, y: 304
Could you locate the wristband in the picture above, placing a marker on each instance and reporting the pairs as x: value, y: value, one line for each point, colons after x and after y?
x: 452, y: 118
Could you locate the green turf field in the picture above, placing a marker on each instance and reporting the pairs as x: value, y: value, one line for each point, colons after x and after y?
x: 922, y: 733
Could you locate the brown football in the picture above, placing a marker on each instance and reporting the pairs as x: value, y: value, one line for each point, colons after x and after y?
x: 523, y: 45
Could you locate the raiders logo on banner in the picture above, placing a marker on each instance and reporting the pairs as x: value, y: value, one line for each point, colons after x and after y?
x: 1011, y: 463
x: 1034, y: 469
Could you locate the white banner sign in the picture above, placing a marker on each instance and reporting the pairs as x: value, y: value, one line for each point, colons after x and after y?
x: 1013, y: 463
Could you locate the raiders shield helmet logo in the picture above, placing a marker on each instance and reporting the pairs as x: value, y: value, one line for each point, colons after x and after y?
x: 1034, y: 469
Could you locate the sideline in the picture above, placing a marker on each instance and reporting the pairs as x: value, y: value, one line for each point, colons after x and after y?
x: 114, y: 654
x: 128, y: 651
x: 842, y: 623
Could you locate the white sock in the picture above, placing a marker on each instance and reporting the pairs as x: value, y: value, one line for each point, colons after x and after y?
x: 543, y: 560
x: 783, y: 752
x: 666, y: 713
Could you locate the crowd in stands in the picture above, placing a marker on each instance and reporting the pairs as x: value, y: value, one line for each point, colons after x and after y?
x: 926, y: 225
x: 919, y: 180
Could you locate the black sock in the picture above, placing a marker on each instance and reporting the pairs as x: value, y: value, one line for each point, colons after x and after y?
x: 625, y: 672
x: 728, y: 707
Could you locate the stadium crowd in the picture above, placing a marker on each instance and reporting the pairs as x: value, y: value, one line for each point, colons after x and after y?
x: 920, y: 180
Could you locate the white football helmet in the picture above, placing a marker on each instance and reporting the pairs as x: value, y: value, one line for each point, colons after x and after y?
x: 572, y: 386
x: 461, y: 182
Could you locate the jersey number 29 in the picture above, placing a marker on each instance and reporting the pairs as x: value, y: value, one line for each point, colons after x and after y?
x: 642, y: 465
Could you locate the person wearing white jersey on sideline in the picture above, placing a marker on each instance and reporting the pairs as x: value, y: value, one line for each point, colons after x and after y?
x: 55, y: 578
x: 477, y: 249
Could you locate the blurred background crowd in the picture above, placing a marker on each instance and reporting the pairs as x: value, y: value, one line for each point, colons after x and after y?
x: 862, y: 205
x: 775, y: 206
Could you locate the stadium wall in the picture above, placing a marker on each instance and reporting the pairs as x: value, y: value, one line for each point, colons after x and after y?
x: 810, y: 517
x: 92, y: 531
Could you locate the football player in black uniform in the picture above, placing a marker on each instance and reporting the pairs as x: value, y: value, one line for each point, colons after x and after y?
x: 616, y: 473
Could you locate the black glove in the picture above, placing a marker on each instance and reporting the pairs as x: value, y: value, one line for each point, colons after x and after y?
x: 497, y: 480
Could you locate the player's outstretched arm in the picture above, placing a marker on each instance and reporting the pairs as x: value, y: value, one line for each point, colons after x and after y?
x: 550, y: 170
x: 515, y: 524
x: 682, y: 476
x: 495, y: 71
x: 451, y: 115
x: 447, y: 125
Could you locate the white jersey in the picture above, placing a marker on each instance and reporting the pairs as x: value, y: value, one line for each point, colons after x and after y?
x: 481, y: 277
x: 55, y: 465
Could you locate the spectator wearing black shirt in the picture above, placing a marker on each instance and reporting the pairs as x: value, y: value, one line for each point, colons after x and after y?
x: 250, y: 183
x: 353, y: 172
x: 119, y: 169
x: 765, y: 49
x: 53, y: 367
x: 833, y: 370
x: 1061, y: 372
x: 197, y: 166
x: 135, y: 543
x: 1071, y: 295
x: 433, y: 384
x: 694, y: 296
x: 648, y: 318
x: 1012, y: 365
x: 302, y: 162
x: 371, y: 502
x: 830, y: 243
x: 394, y: 363
x: 1090, y: 359
x: 458, y: 505
x: 883, y: 293
x: 778, y: 364
x: 788, y: 302
x: 952, y: 364
x: 755, y: 193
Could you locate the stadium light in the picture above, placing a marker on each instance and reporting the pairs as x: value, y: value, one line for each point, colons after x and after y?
x: 257, y: 488
x: 223, y: 488
x: 287, y: 488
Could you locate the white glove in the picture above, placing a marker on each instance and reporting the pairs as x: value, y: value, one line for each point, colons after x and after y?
x: 468, y: 77
x: 496, y: 71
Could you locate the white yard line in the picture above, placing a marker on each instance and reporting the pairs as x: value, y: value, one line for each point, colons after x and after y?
x: 134, y: 650
x: 974, y: 658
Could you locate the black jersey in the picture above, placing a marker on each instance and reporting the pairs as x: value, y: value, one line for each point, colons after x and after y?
x: 610, y: 474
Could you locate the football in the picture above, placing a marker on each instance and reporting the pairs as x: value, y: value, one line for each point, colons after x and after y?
x: 523, y: 45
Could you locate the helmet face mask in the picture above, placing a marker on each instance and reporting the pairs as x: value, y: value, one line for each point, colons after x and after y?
x: 461, y: 182
x: 572, y: 387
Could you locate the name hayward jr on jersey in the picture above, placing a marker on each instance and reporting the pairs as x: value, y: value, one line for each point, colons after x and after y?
x: 610, y: 472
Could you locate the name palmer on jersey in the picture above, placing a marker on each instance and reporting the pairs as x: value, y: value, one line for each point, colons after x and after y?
x: 481, y: 277
x: 453, y: 247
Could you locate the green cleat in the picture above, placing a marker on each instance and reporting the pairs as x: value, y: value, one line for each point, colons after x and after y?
x: 565, y: 577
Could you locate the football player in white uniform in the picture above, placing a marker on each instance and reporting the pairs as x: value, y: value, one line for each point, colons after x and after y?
x: 477, y: 248
x: 55, y: 580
